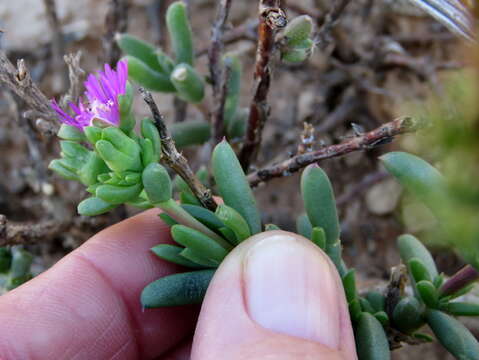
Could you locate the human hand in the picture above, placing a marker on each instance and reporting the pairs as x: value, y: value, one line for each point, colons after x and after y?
x: 276, y: 296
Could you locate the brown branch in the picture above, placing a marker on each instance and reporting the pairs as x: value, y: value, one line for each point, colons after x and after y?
x: 12, y: 233
x: 382, y: 135
x: 116, y: 21
x: 271, y: 18
x: 174, y: 159
x: 217, y: 69
x: 19, y: 81
x: 467, y: 275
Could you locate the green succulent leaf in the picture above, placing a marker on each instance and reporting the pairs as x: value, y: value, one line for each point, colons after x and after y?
x: 142, y: 50
x: 382, y: 317
x: 418, y: 270
x: 74, y: 150
x: 233, y: 220
x: 71, y: 133
x: 171, y: 253
x: 204, y: 216
x: 304, y: 227
x: 271, y: 227
x: 371, y: 340
x: 198, y: 259
x: 157, y: 183
x: 198, y: 242
x: 454, y: 336
x: 233, y: 185
x: 377, y: 300
x: 418, y: 177
x: 59, y: 166
x: 178, y: 289
x: 188, y: 83
x: 148, y: 78
x: 167, y: 219
x: 180, y: 33
x: 318, y: 237
x: 93, y: 167
x: 428, y: 293
x: 461, y: 309
x: 94, y: 206
x: 117, y: 195
x: 92, y: 133
x: 349, y: 284
x: 319, y: 202
x: 366, y: 306
x: 190, y: 133
x: 410, y: 247
x: 150, y: 132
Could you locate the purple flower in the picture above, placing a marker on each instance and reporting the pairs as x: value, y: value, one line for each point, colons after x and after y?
x: 102, y: 93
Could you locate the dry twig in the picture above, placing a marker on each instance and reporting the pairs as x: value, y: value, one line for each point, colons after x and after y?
x: 76, y: 75
x: 175, y: 159
x: 12, y: 233
x: 382, y: 135
x: 271, y: 18
x: 116, y: 21
x: 19, y: 81
x: 218, y: 73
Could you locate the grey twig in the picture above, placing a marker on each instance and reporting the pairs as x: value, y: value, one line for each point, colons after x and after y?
x: 174, y: 159
x: 76, y: 75
x: 217, y: 69
x: 382, y: 135
x: 19, y: 81
x: 116, y: 21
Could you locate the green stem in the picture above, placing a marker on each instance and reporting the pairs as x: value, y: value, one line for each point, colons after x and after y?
x: 172, y: 208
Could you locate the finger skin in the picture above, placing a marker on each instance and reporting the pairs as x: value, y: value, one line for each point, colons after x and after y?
x: 225, y: 330
x: 87, y: 306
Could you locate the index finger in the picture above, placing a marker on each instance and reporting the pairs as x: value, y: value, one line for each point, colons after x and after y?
x: 88, y: 305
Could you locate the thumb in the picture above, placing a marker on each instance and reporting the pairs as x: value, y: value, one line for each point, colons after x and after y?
x: 276, y: 296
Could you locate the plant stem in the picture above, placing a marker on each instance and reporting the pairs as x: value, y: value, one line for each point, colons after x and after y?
x: 173, y: 209
x: 367, y: 141
x: 271, y: 18
x: 217, y: 69
x: 175, y: 159
x: 459, y: 280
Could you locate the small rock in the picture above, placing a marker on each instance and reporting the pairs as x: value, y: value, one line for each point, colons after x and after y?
x: 382, y: 198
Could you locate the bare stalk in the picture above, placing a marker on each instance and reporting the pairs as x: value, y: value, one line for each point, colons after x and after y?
x: 217, y: 69
x: 271, y: 18
x: 175, y: 159
x: 367, y: 141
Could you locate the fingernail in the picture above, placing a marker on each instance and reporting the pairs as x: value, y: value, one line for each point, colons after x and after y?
x: 290, y: 289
